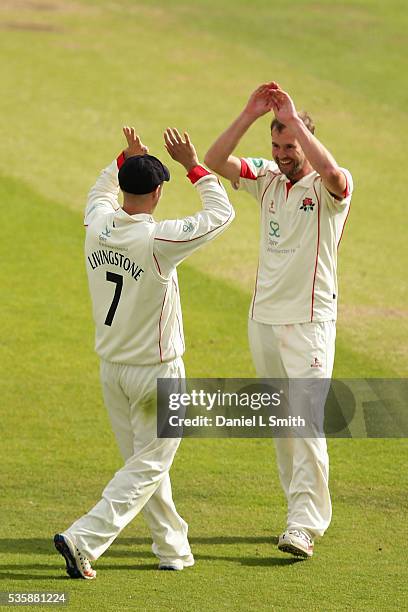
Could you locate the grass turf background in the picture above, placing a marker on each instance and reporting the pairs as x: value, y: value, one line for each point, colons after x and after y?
x: 75, y: 72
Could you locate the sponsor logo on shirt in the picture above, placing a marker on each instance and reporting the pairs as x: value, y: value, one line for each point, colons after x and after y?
x: 188, y: 226
x: 307, y: 204
x: 274, y: 229
x: 105, y: 234
x: 258, y: 163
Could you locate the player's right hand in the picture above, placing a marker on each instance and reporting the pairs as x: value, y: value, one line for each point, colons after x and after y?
x: 180, y: 150
x: 135, y: 145
x: 260, y: 100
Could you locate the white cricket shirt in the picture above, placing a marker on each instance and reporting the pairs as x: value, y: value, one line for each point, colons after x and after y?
x: 301, y: 228
x: 131, y: 265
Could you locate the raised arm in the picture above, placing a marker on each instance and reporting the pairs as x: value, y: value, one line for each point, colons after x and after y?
x: 103, y: 197
x: 176, y: 239
x: 219, y: 156
x: 318, y: 156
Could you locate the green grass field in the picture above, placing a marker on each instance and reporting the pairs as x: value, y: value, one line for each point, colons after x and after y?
x: 77, y: 70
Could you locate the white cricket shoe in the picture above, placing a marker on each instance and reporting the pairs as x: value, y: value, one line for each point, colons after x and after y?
x: 78, y: 566
x: 176, y: 564
x: 296, y: 542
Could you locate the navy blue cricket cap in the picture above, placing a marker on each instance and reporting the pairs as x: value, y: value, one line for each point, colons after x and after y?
x: 141, y: 174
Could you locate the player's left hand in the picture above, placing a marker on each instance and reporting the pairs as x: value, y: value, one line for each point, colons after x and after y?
x: 135, y: 145
x: 282, y: 105
x: 180, y: 150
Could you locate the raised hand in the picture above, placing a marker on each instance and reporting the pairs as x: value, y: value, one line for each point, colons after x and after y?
x: 135, y: 146
x: 282, y: 106
x: 180, y: 150
x: 260, y: 100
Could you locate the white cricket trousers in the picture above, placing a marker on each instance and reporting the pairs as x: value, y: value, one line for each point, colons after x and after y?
x: 299, y: 351
x: 143, y: 483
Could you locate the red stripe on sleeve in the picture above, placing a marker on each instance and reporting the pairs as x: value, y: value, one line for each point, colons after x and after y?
x: 345, y: 193
x: 196, y: 173
x: 120, y: 160
x: 246, y: 171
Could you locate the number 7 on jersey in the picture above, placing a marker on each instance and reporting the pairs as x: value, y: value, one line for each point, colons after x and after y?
x: 118, y: 280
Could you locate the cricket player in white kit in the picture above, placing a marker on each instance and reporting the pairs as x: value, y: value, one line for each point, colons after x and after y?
x: 304, y: 199
x: 131, y: 263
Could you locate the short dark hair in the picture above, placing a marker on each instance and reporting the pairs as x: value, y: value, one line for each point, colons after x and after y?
x: 303, y: 115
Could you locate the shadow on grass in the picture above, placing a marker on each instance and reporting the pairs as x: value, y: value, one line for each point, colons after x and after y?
x: 53, y: 572
x: 44, y: 546
x: 242, y: 560
x: 8, y: 572
x: 57, y: 572
x: 125, y: 547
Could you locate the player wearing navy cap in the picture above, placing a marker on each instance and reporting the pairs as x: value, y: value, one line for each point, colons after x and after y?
x: 131, y: 262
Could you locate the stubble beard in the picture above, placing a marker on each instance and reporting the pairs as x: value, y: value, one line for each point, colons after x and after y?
x: 292, y: 173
